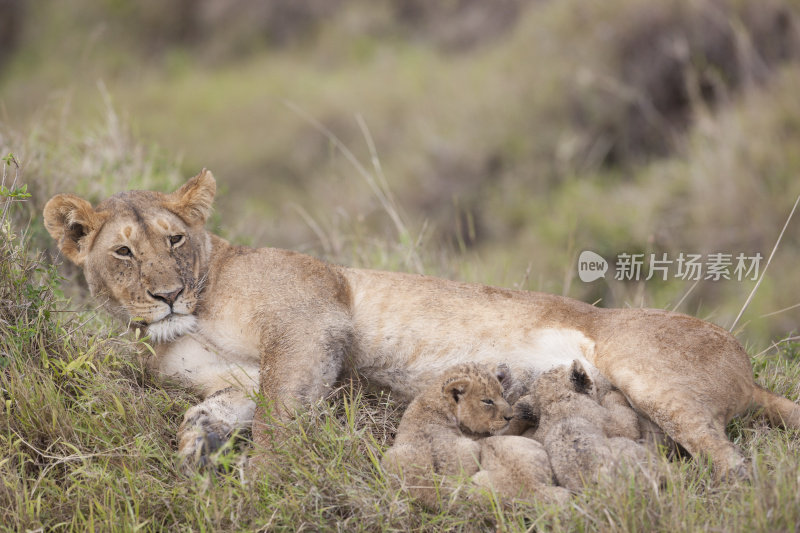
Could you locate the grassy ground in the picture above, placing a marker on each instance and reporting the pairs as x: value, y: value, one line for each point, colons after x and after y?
x: 565, y: 131
x: 87, y: 435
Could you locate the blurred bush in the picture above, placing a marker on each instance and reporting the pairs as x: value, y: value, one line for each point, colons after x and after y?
x: 667, y: 57
x: 12, y: 13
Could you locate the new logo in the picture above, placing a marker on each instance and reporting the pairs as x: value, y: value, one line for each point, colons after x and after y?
x: 591, y: 266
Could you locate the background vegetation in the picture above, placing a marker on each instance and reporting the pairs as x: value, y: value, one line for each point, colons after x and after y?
x: 479, y: 141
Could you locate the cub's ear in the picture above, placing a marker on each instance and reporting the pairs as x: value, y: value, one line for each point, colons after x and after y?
x: 505, y: 377
x: 502, y: 374
x: 192, y: 202
x: 580, y: 379
x: 70, y: 220
x: 456, y: 387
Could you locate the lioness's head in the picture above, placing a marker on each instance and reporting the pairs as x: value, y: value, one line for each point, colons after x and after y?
x: 475, y: 395
x: 144, y: 253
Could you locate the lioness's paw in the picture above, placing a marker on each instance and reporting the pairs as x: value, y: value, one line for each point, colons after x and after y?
x: 199, y: 436
x: 738, y: 471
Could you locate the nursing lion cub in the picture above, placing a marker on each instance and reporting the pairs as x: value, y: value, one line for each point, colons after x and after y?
x: 585, y: 441
x: 231, y: 320
x: 440, y: 434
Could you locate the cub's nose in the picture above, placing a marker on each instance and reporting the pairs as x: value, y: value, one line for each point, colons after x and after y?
x: 167, y: 297
x: 508, y: 418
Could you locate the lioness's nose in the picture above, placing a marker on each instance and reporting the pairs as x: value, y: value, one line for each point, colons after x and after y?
x: 168, y: 297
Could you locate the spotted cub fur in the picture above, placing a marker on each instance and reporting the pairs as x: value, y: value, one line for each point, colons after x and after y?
x: 442, y: 433
x: 584, y: 440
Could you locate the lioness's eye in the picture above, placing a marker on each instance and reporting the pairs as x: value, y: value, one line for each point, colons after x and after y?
x: 123, y: 251
x: 488, y: 402
x: 175, y: 239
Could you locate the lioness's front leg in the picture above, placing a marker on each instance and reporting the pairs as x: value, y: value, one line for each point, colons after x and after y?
x: 300, y: 366
x: 207, y: 425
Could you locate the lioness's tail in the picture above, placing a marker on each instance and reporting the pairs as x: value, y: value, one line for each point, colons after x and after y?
x: 780, y: 411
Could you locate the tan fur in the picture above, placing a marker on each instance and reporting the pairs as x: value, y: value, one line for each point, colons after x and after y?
x: 291, y: 323
x: 438, y: 432
x: 431, y: 437
x: 570, y: 391
x: 518, y: 468
x: 585, y: 441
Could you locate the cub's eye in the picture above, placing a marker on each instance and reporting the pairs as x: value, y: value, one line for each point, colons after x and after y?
x: 487, y: 402
x: 175, y: 240
x: 124, y: 251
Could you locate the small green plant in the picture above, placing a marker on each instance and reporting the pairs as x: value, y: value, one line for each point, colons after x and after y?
x: 12, y: 192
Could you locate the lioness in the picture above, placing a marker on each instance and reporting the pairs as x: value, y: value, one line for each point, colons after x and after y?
x: 231, y: 320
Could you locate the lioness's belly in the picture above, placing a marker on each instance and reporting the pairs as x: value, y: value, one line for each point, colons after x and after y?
x: 410, y: 328
x: 406, y: 363
x: 403, y: 364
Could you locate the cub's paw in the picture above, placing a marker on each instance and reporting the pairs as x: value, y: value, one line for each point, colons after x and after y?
x: 200, y: 435
x: 553, y: 495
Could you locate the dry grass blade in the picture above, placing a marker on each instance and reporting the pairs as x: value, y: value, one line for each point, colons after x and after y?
x: 380, y: 190
x: 764, y: 272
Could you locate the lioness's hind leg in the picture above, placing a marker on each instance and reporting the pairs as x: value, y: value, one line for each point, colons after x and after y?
x: 701, y: 435
x: 688, y: 376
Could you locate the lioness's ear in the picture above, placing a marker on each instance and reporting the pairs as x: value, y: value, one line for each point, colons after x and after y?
x: 456, y: 387
x: 192, y: 202
x: 70, y: 220
x: 580, y: 378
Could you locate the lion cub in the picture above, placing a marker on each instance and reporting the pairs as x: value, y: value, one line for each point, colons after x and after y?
x: 584, y: 440
x: 440, y: 434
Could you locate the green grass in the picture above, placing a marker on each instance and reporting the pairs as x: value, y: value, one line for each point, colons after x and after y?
x: 87, y: 434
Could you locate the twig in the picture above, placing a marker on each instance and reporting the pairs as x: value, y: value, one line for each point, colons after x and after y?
x: 525, y: 277
x: 763, y: 272
x: 389, y: 204
x: 309, y: 220
x: 686, y: 294
x: 776, y: 344
x: 382, y: 193
x: 795, y: 306
x: 69, y: 458
x: 7, y: 203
